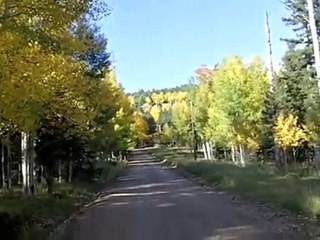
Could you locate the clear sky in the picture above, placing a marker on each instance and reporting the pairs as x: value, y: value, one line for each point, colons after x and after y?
x: 159, y: 43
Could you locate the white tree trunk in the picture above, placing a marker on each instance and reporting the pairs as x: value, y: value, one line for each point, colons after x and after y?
x: 242, y: 156
x: 233, y: 154
x: 208, y: 150
x: 25, y: 164
x: 204, y: 151
x: 212, y: 151
x: 59, y: 171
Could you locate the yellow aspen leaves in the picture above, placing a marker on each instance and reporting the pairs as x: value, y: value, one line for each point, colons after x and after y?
x: 287, y: 133
x: 140, y: 127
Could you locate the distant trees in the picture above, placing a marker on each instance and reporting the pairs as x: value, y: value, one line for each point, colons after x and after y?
x: 167, y: 114
x: 236, y: 113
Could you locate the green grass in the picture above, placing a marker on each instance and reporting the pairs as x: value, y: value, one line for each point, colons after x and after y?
x: 52, y: 210
x: 289, y: 191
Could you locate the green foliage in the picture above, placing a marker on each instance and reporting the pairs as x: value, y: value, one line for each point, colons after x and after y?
x: 239, y: 92
x: 294, y: 83
x: 299, y: 195
x: 298, y: 21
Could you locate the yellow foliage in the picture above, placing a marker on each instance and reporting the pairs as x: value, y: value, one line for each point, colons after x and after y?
x: 287, y: 133
x: 38, y: 84
x: 166, y: 135
x: 140, y: 127
x: 155, y: 112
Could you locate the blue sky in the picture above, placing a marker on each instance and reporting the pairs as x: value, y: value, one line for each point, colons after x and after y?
x: 159, y: 43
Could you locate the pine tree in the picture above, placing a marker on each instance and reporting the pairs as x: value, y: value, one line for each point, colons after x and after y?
x: 296, y: 86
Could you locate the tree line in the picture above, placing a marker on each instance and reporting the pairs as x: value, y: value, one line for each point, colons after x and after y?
x: 61, y: 106
x: 235, y: 111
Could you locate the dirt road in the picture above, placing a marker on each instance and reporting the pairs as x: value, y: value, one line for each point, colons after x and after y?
x: 152, y: 202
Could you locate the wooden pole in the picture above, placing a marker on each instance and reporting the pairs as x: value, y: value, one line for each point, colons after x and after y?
x: 270, y: 53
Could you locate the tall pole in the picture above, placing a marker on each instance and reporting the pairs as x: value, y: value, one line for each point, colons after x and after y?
x: 269, y: 46
x: 271, y: 78
x: 315, y: 40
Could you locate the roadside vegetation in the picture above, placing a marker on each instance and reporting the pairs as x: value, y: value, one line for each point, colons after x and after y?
x: 296, y: 190
x: 37, y: 217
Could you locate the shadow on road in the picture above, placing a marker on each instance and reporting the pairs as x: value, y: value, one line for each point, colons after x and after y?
x: 152, y: 202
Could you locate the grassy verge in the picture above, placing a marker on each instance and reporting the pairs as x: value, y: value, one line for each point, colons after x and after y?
x: 35, y: 217
x: 289, y: 191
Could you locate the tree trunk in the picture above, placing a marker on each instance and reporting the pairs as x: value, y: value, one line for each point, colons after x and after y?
x: 204, y: 147
x: 9, y: 180
x: 59, y: 171
x: 237, y: 154
x: 40, y: 177
x: 317, y: 155
x: 208, y: 150
x: 278, y: 158
x: 31, y: 156
x: 70, y: 171
x: 212, y: 151
x: 294, y: 151
x: 49, y: 180
x: 25, y: 164
x: 242, y: 155
x: 233, y: 154
x: 19, y: 173
x: 285, y: 154
x: 3, y: 178
x: 195, y: 149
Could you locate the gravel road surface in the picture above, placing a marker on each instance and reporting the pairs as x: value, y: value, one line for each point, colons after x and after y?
x: 153, y: 202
